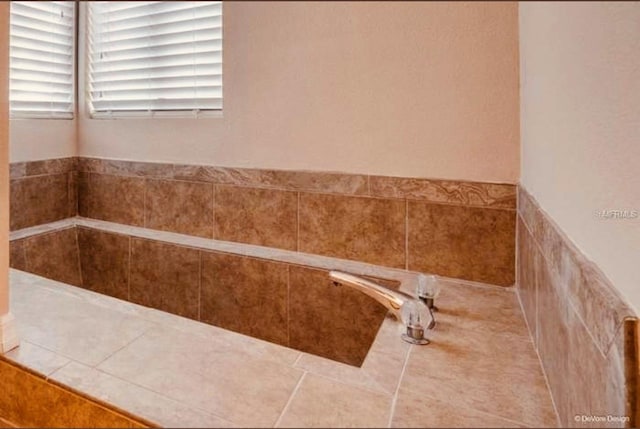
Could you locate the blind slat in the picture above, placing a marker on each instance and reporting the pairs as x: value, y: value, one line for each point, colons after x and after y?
x: 157, y: 72
x: 159, y: 82
x: 192, y: 46
x: 196, y: 91
x: 154, y: 29
x: 154, y: 56
x: 160, y: 17
x: 41, y: 59
x: 150, y: 60
x: 158, y: 40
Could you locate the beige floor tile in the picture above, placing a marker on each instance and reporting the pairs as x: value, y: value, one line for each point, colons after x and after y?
x: 323, y: 403
x: 415, y: 411
x: 206, y: 375
x: 380, y: 372
x: 482, y: 309
x: 389, y: 339
x: 70, y: 327
x: 36, y: 358
x: 139, y: 401
x: 495, y: 373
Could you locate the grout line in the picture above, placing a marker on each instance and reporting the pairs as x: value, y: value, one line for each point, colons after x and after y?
x: 394, y: 400
x: 75, y: 230
x: 154, y: 325
x: 515, y: 422
x: 298, y: 359
x: 144, y: 202
x: 605, y: 353
x: 162, y: 395
x: 57, y: 353
x: 406, y: 234
x: 129, y: 257
x: 199, y: 285
x: 563, y: 293
x: 334, y: 379
x: 50, y: 375
x: 24, y: 253
x: 289, y: 307
x: 68, y: 192
x: 213, y: 210
x: 298, y: 224
x: 536, y: 350
x: 288, y: 404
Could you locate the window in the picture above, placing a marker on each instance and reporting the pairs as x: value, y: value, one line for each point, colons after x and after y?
x: 41, y: 76
x: 149, y: 57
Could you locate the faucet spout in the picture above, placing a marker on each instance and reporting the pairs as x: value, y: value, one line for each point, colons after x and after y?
x: 391, y: 299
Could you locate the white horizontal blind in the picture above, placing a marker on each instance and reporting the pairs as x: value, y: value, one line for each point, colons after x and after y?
x: 41, y: 59
x: 154, y: 56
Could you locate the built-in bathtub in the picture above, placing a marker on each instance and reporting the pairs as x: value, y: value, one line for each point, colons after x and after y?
x: 276, y: 295
x: 174, y: 371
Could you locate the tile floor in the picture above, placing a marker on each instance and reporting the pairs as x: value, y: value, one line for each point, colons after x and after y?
x: 481, y: 369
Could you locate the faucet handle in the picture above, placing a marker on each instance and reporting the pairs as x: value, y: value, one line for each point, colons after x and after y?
x: 428, y: 290
x: 428, y: 286
x: 415, y: 316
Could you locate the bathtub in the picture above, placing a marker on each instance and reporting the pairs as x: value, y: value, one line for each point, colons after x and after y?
x: 280, y: 296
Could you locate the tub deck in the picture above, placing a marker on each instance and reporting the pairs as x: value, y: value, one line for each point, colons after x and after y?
x: 481, y: 368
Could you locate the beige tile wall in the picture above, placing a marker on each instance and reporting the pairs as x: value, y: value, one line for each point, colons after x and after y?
x: 579, y: 322
x: 457, y: 229
x: 42, y: 192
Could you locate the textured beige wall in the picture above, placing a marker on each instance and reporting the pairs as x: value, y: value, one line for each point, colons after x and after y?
x: 4, y: 160
x: 408, y: 89
x: 34, y: 139
x: 580, y: 126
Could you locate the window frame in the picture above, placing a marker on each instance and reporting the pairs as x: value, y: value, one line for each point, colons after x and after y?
x: 83, y: 61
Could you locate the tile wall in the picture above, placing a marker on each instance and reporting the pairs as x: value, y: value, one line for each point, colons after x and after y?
x: 584, y: 331
x: 452, y: 228
x: 42, y: 192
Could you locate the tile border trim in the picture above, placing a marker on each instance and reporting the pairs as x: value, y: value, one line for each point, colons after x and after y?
x: 456, y: 192
x: 20, y: 170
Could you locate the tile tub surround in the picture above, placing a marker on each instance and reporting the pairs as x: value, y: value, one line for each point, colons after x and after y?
x: 42, y: 192
x: 275, y: 295
x: 390, y: 221
x: 584, y: 332
x: 480, y: 370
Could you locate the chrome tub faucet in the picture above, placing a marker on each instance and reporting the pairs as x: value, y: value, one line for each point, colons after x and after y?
x: 408, y: 310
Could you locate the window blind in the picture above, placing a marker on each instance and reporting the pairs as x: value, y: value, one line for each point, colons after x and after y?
x: 41, y: 51
x: 156, y: 56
